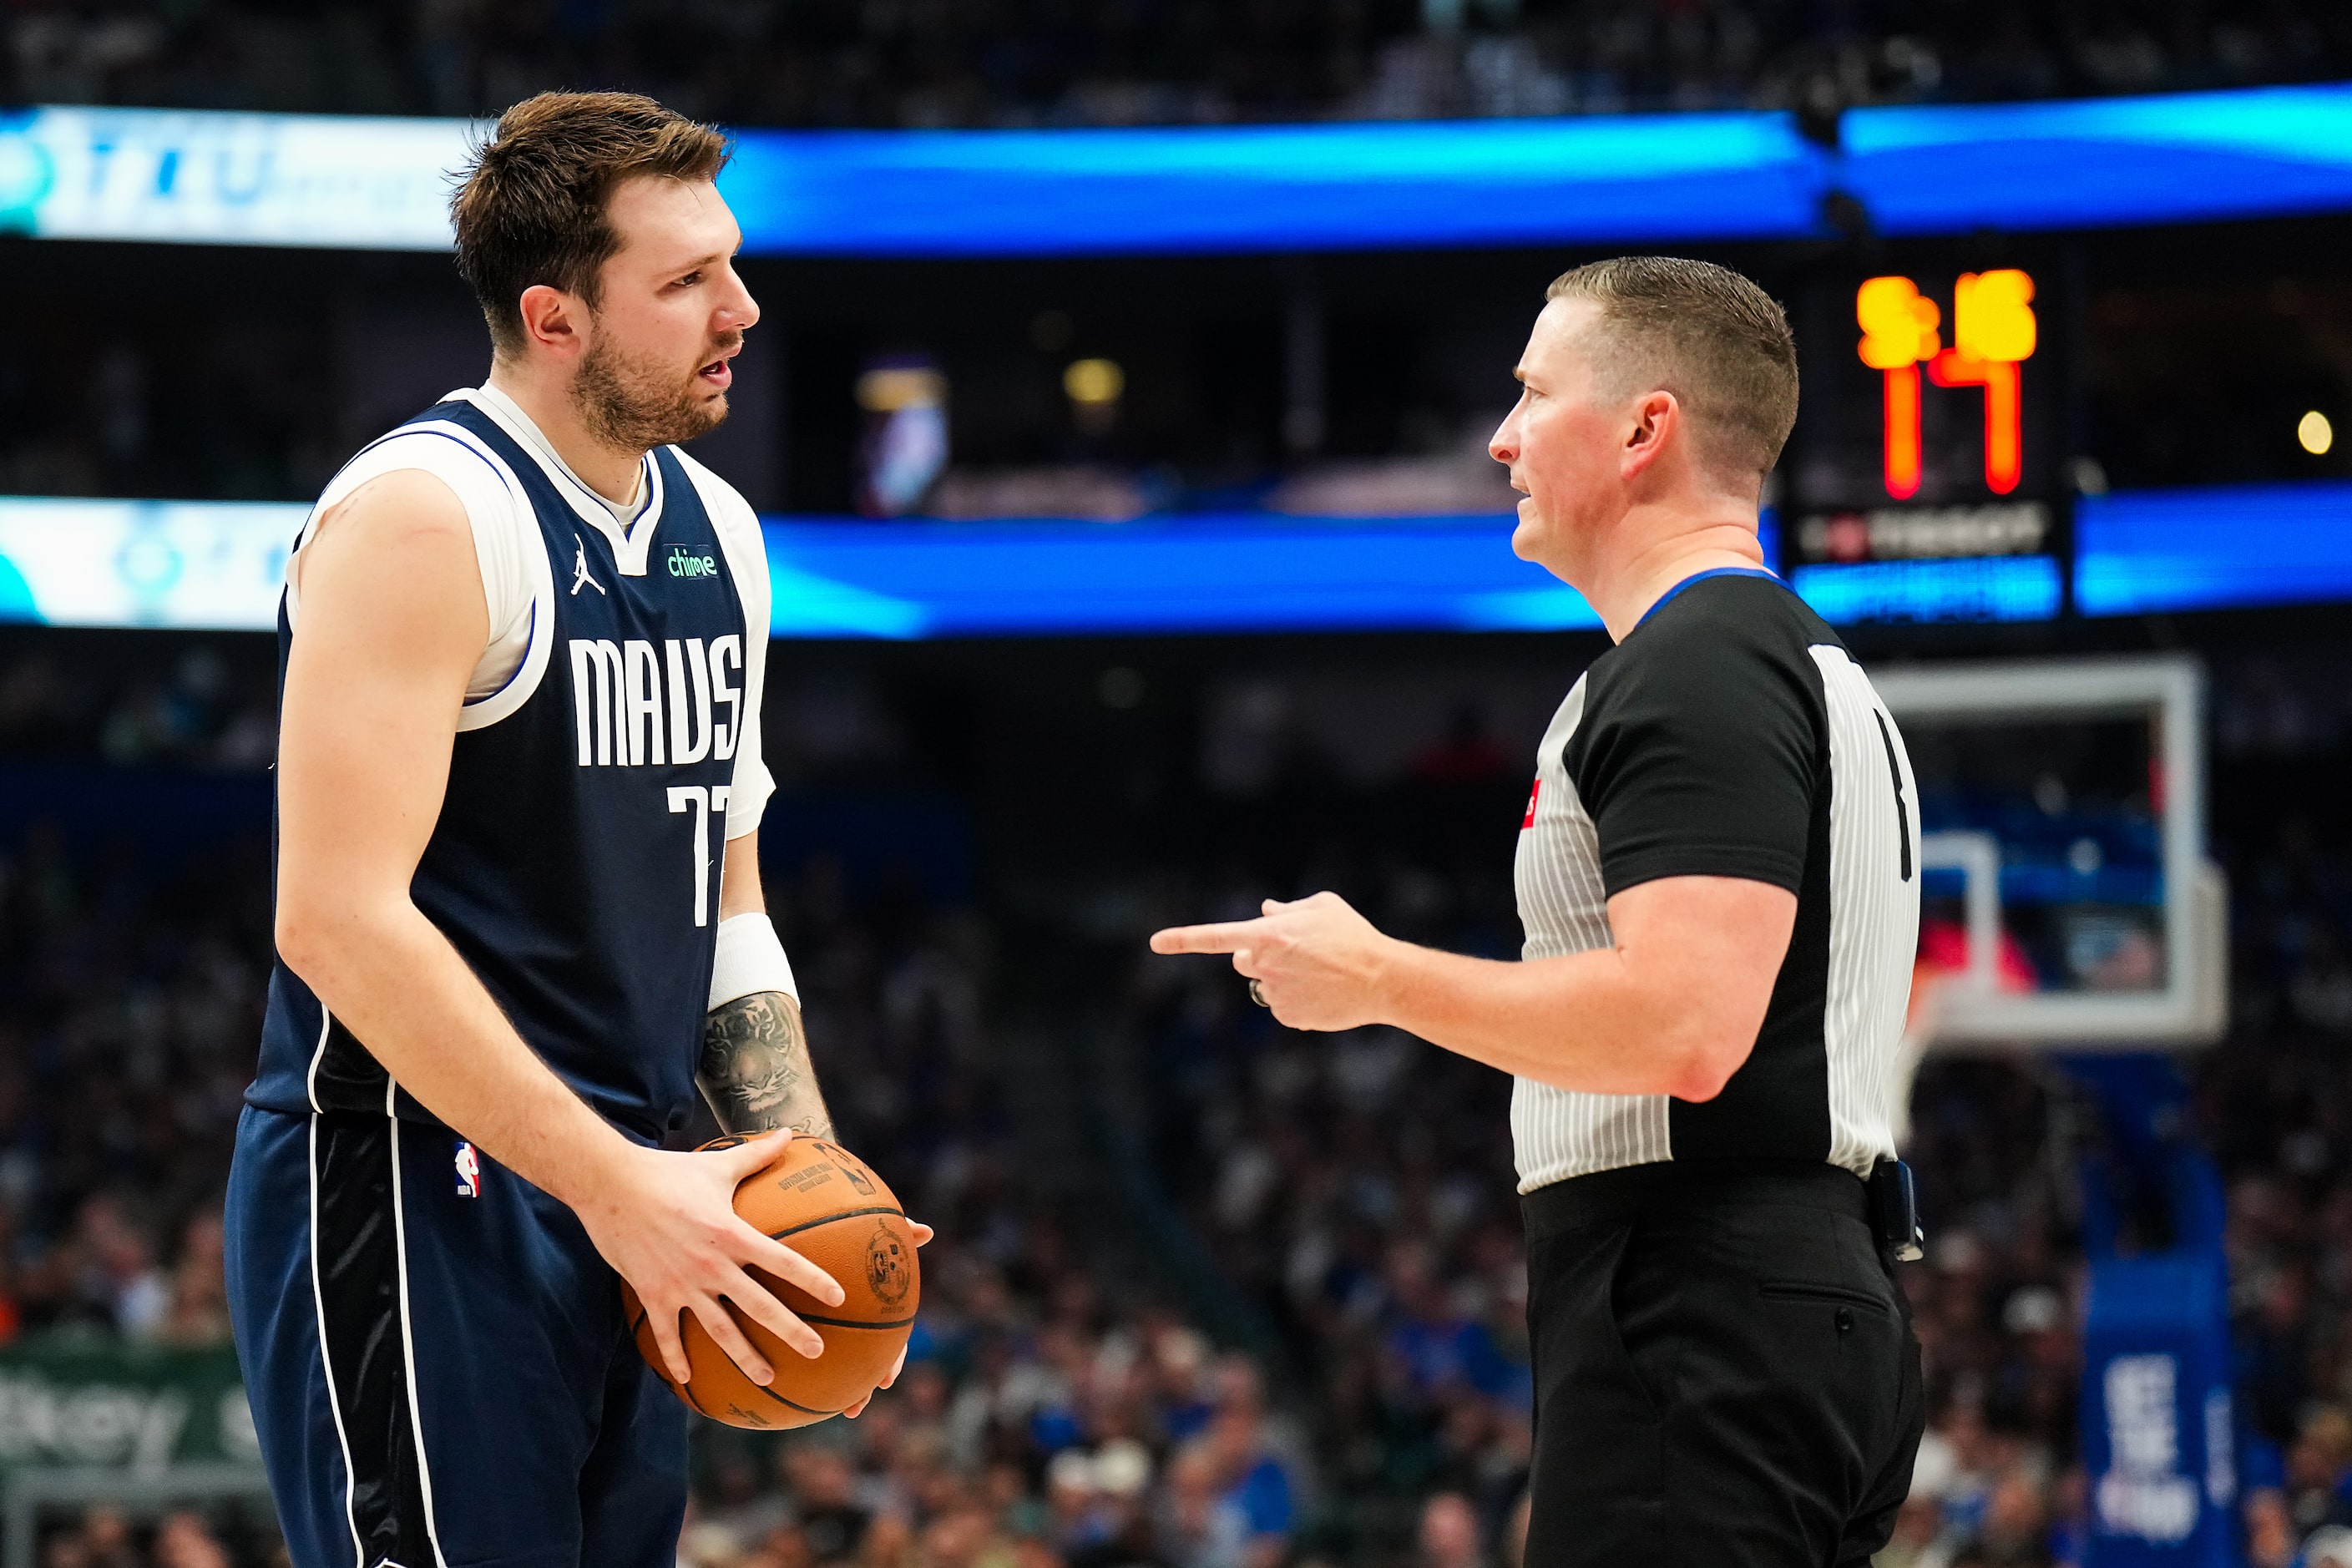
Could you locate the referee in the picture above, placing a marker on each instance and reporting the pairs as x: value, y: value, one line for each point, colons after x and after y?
x: 1718, y: 878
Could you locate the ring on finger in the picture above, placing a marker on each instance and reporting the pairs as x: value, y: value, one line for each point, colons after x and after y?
x: 1257, y: 994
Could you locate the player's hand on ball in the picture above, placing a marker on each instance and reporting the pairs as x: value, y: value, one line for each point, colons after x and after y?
x: 1317, y: 963
x: 923, y: 1235
x: 667, y: 1223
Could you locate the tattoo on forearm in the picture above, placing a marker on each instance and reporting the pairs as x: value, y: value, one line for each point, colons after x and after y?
x: 755, y: 1068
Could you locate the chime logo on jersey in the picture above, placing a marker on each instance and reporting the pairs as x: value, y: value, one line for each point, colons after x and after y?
x: 690, y: 561
x: 638, y: 702
x: 469, y: 1171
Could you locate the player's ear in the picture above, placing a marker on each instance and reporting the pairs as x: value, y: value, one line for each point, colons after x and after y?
x: 551, y: 318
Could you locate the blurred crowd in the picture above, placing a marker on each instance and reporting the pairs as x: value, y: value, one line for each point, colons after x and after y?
x: 911, y: 63
x: 150, y: 701
x: 133, y: 1001
x: 1356, y: 1389
x: 107, y: 1538
x: 1358, y: 1192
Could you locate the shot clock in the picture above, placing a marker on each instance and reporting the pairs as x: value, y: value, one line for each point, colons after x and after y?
x: 1923, y: 478
x: 1993, y: 334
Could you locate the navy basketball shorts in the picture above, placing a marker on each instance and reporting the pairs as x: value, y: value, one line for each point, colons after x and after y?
x: 436, y: 1359
x: 1724, y: 1370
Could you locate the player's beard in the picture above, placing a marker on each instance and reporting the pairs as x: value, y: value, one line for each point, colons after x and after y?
x: 635, y: 404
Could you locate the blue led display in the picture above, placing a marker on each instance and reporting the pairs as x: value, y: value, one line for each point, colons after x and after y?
x: 2235, y: 545
x: 1493, y: 182
x: 1244, y: 572
x: 213, y: 564
x: 1972, y: 588
x: 2179, y: 158
x: 194, y: 176
x: 2105, y: 162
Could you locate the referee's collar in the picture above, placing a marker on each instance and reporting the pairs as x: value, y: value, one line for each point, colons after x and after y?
x: 1668, y: 596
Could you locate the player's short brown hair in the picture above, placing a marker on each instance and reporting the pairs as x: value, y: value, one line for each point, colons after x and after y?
x: 531, y: 207
x: 1716, y: 341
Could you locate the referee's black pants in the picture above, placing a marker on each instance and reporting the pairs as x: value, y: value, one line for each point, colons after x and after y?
x: 1726, y: 1375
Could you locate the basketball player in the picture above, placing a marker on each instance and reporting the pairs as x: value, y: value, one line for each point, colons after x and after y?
x: 1718, y: 877
x: 519, y: 913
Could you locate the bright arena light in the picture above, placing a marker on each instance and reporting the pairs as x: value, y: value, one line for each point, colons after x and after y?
x: 2315, y: 432
x: 1095, y: 381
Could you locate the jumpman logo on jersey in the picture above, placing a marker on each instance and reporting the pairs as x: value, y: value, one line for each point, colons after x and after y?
x: 580, y: 570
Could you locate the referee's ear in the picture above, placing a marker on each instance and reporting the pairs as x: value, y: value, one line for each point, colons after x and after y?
x: 1655, y: 425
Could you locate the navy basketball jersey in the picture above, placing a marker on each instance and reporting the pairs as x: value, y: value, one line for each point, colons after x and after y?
x: 575, y: 865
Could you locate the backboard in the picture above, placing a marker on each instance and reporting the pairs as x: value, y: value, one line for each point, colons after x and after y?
x: 2066, y: 901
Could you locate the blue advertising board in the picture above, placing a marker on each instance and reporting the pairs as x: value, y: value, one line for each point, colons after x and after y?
x: 2159, y: 1425
x: 2158, y: 1429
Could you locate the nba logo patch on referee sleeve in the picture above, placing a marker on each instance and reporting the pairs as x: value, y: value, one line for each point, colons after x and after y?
x: 469, y: 1171
x: 1534, y: 791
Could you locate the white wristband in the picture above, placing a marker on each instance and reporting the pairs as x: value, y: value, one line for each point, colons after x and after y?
x: 751, y: 959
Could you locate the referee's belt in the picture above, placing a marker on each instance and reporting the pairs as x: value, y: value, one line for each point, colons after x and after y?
x: 1883, y: 1202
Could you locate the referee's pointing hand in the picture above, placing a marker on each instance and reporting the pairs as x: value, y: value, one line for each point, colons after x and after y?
x: 1317, y: 963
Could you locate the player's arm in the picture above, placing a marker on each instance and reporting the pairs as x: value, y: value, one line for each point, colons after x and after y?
x: 1671, y: 1008
x: 755, y: 1068
x: 391, y: 620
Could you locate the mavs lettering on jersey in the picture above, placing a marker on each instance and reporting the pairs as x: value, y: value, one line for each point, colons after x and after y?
x: 572, y: 866
x: 617, y: 700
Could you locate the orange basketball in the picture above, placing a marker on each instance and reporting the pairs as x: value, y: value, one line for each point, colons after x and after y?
x: 822, y: 1201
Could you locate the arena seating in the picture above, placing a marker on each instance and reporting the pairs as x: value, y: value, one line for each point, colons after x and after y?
x: 866, y: 63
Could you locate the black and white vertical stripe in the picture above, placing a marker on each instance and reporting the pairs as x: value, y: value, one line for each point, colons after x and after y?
x: 1874, y: 910
x: 1558, y: 1132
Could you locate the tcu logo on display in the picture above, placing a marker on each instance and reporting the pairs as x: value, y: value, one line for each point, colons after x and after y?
x: 621, y: 692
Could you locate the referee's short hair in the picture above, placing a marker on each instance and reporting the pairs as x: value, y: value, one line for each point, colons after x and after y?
x: 531, y: 207
x: 1716, y: 341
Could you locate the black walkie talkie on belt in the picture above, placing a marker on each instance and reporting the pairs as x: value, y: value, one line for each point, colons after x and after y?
x: 1894, y: 1211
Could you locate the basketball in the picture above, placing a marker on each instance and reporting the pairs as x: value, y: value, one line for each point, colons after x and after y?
x: 824, y: 1204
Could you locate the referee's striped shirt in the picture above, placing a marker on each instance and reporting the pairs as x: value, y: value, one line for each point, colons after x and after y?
x: 1730, y: 735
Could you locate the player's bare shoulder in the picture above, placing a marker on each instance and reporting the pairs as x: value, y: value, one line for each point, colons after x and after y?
x: 395, y: 554
x: 400, y: 501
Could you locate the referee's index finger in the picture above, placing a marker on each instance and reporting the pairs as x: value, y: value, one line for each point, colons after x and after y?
x: 1226, y: 936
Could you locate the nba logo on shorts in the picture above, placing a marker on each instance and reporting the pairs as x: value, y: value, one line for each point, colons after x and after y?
x: 469, y: 1171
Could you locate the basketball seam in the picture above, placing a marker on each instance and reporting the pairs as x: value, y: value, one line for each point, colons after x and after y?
x: 828, y: 1219
x: 855, y: 1322
x: 793, y: 1404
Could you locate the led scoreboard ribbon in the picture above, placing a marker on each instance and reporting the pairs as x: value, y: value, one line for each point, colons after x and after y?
x: 1993, y: 331
x: 190, y: 177
x: 220, y: 564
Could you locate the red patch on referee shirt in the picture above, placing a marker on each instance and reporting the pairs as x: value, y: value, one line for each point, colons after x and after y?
x: 1529, y: 820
